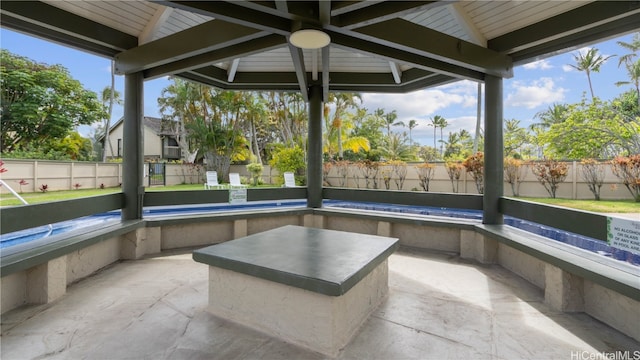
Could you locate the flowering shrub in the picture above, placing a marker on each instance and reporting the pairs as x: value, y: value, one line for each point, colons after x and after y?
x: 475, y: 166
x: 326, y: 169
x: 593, y: 174
x: 454, y: 170
x: 550, y: 174
x: 22, y: 182
x: 399, y: 168
x: 627, y: 169
x: 514, y: 174
x: 426, y: 172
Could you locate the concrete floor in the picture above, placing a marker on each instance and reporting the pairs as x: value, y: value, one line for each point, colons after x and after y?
x: 439, y: 307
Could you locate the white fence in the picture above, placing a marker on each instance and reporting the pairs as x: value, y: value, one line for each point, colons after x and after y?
x: 65, y: 175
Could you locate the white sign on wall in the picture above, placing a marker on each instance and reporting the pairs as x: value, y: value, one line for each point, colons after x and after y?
x: 624, y: 234
x: 237, y: 196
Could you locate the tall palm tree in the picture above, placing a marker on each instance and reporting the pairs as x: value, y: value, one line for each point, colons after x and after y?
x: 589, y: 62
x: 411, y: 125
x: 181, y: 104
x: 342, y: 102
x: 633, y: 67
x: 441, y: 123
x: 434, y: 122
x: 110, y: 95
x: 390, y: 120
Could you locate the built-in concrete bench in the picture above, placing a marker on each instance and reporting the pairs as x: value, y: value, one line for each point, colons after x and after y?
x: 309, y: 286
x: 605, y: 288
x: 573, y: 279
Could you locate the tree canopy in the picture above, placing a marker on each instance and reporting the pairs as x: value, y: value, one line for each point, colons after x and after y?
x: 41, y: 104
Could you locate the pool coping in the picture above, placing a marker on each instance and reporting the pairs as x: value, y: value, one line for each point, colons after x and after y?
x: 35, y: 256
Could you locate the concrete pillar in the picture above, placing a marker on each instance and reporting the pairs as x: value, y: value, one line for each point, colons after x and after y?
x: 240, y: 228
x: 563, y: 291
x: 140, y: 242
x: 47, y: 282
x: 314, y: 221
x: 467, y: 244
x: 314, y: 150
x: 493, y: 151
x: 133, y: 147
x: 384, y: 228
x: 476, y: 246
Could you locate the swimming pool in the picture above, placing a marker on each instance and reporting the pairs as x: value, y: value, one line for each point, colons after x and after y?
x: 67, y: 228
x: 79, y: 225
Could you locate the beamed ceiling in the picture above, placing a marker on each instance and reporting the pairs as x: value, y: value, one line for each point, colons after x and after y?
x: 377, y: 46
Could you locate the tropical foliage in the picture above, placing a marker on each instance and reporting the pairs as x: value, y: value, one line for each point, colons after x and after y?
x: 41, y: 105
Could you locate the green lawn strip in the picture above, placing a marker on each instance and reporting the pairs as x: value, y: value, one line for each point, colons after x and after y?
x: 602, y: 206
x: 7, y: 199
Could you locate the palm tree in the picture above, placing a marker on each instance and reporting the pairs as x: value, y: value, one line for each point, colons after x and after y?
x: 395, y: 147
x: 555, y: 114
x: 109, y: 94
x: 589, y: 62
x: 390, y: 120
x: 434, y: 122
x: 411, y: 125
x: 181, y: 104
x: 342, y: 101
x: 441, y: 123
x: 633, y: 67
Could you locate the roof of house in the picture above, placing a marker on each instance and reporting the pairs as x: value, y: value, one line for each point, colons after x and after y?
x: 157, y: 125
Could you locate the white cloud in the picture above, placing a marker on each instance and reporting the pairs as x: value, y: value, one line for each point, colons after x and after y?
x: 422, y: 105
x: 568, y: 68
x: 424, y: 134
x: 538, y: 65
x: 534, y: 94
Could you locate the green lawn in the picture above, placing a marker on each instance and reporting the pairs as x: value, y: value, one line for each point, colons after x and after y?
x: 602, y: 206
x: 605, y: 206
x: 7, y: 199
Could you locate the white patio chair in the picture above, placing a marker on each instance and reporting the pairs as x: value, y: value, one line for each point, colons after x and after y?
x: 289, y: 180
x: 234, y: 181
x: 212, y: 181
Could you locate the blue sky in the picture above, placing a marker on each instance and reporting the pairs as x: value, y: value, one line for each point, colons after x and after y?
x: 533, y: 88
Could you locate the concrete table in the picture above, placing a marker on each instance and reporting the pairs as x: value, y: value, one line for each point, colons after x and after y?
x: 312, y: 287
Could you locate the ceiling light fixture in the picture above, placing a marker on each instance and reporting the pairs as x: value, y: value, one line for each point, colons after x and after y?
x: 309, y: 39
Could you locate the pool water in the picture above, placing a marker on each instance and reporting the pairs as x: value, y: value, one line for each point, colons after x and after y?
x: 566, y: 237
x: 98, y: 220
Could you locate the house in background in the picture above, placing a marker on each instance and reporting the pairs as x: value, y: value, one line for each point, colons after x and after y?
x: 159, y: 143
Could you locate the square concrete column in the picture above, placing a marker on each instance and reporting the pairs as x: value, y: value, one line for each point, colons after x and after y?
x: 563, y: 291
x: 47, y: 282
x: 384, y: 228
x: 138, y: 243
x: 239, y: 228
x: 476, y: 246
x: 314, y: 221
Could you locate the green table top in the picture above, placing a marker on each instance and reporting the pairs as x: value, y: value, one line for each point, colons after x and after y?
x: 329, y: 262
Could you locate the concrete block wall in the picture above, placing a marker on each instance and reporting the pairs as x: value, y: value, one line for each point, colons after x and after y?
x: 63, y: 175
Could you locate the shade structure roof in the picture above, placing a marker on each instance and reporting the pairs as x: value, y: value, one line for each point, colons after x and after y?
x: 376, y: 46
